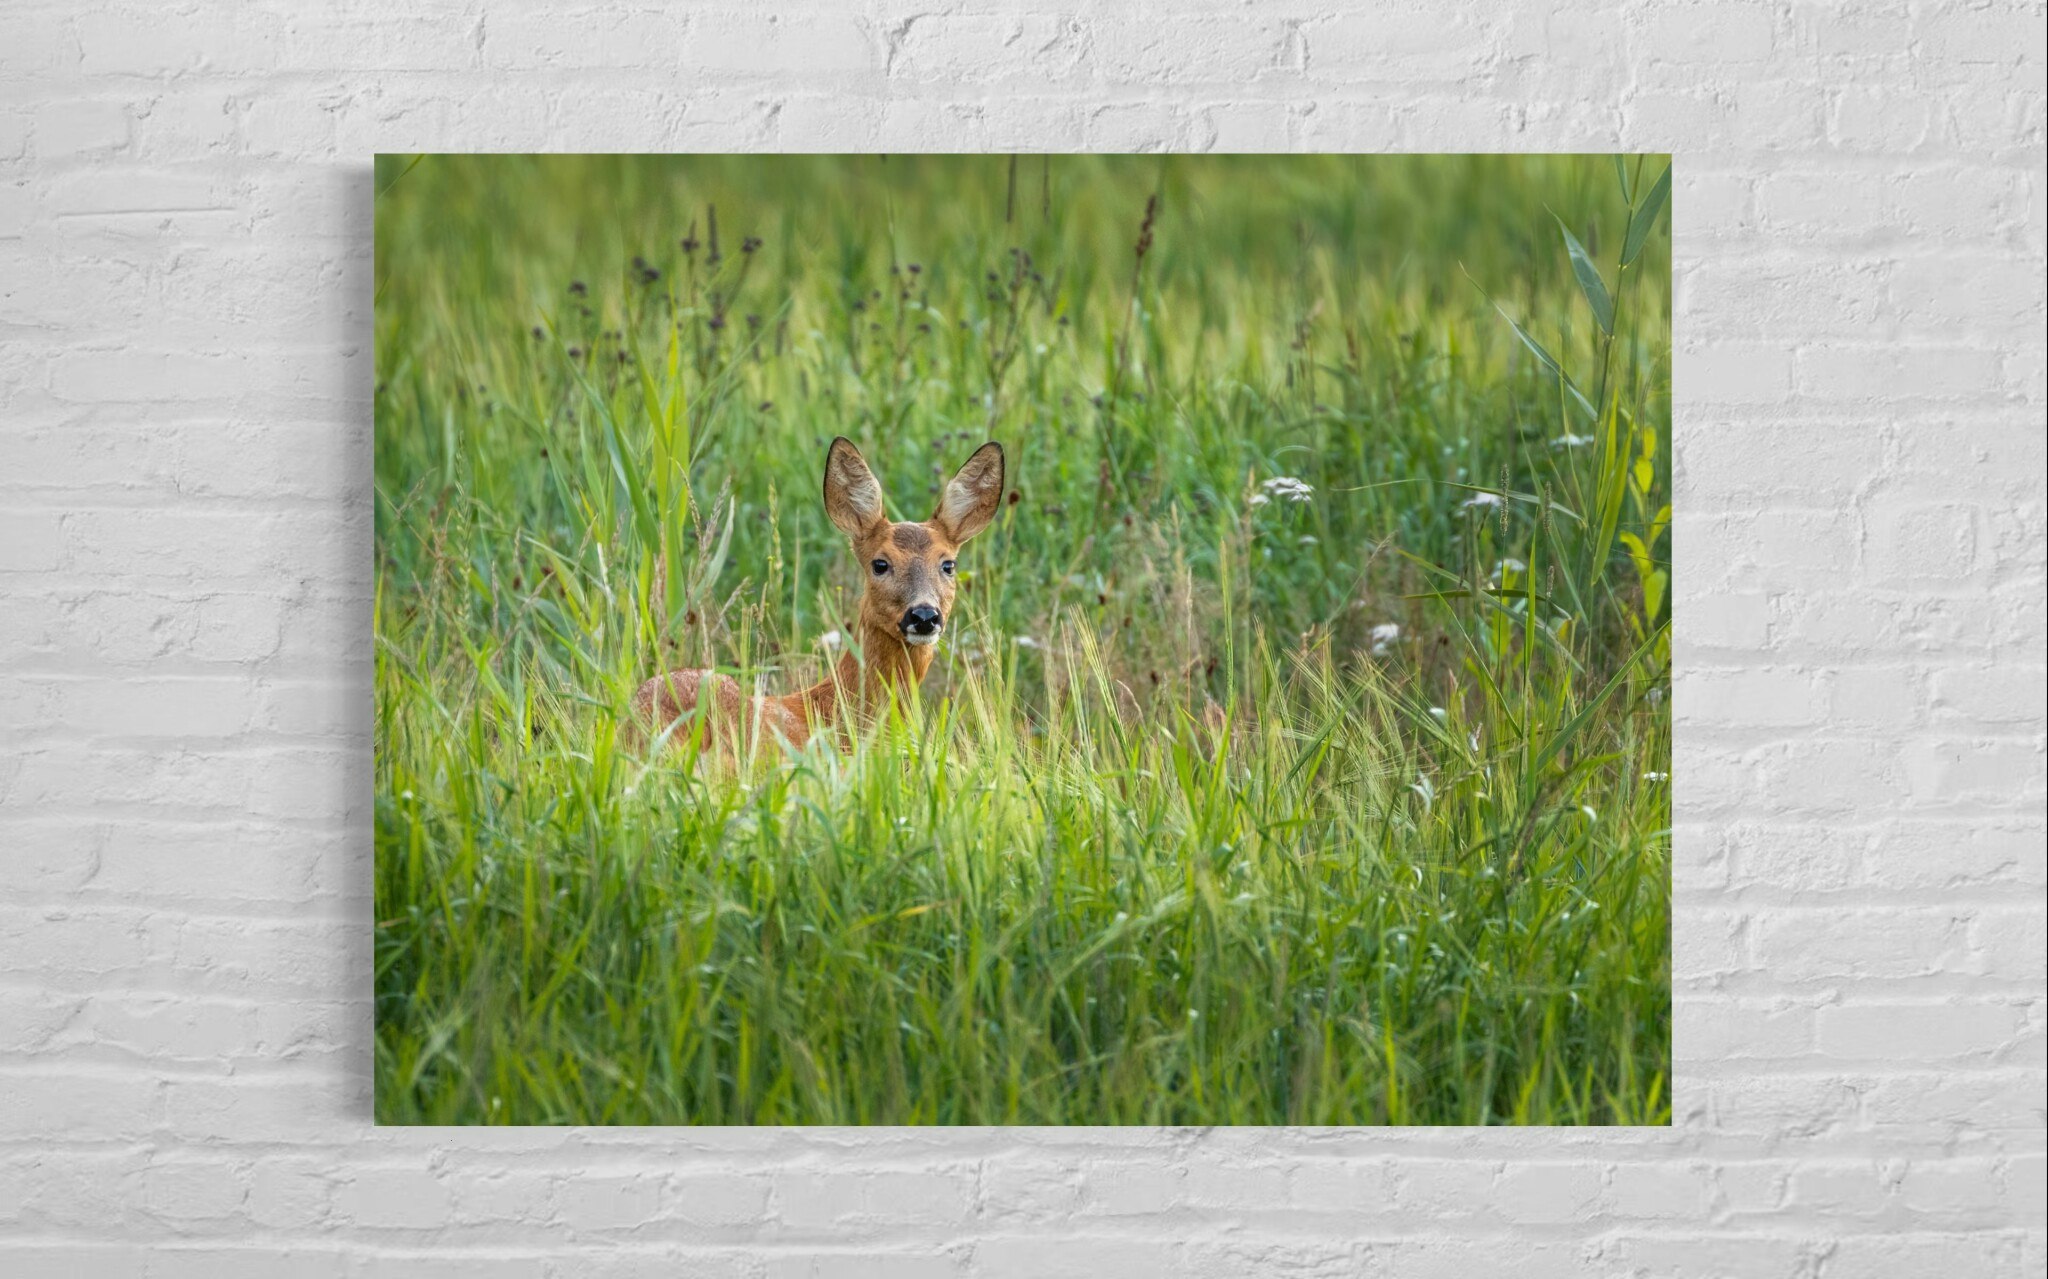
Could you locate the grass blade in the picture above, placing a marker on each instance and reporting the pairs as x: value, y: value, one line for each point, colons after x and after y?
x: 1589, y: 279
x: 1644, y: 219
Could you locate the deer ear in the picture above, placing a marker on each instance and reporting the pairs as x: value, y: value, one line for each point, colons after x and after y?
x: 972, y: 497
x: 853, y: 498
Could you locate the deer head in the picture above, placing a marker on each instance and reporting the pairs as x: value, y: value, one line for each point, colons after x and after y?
x: 908, y: 568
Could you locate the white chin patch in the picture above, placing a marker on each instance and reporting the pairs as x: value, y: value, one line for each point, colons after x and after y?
x: 922, y: 640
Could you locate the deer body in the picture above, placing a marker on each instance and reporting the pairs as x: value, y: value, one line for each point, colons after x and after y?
x: 908, y: 569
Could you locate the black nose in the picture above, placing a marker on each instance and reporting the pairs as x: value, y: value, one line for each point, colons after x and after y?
x: 922, y: 620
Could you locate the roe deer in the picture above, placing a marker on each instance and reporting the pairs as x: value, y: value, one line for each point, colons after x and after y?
x: 909, y: 574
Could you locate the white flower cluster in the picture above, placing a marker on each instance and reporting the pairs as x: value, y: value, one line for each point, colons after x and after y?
x: 1285, y: 487
x: 1384, y: 637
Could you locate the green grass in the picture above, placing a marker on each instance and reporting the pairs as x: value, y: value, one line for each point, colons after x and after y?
x: 1172, y: 834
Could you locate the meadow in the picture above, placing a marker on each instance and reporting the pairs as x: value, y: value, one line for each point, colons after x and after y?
x: 1299, y: 750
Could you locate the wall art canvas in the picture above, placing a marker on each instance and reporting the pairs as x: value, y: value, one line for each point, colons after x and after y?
x: 1022, y: 640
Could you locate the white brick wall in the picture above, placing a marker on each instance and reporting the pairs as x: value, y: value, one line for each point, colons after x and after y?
x: 184, y: 458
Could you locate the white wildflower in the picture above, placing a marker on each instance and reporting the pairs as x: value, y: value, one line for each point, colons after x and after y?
x: 1286, y: 486
x: 1656, y: 777
x: 1257, y: 500
x: 1570, y: 441
x: 1384, y: 637
x: 1483, y: 500
x: 1307, y: 539
x: 1437, y: 711
x: 831, y: 640
x: 1025, y: 641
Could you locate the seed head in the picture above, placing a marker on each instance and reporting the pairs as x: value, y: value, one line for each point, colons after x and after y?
x: 1145, y: 228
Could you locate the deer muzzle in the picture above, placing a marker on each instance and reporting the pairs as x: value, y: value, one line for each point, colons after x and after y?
x: 921, y: 624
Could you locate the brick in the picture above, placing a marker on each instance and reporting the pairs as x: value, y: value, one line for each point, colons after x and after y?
x: 187, y: 1191
x: 1549, y: 1193
x: 79, y: 127
x: 393, y: 1197
x: 154, y: 42
x: 1848, y: 374
x: 1922, y: 542
x: 47, y: 1103
x: 31, y: 541
x: 1916, y: 1032
x: 1983, y: 770
x: 1729, y: 373
x: 598, y: 1202
x: 829, y: 42
x: 1405, y: 41
x: 1194, y: 50
x: 941, y: 47
x: 1758, y: 697
x: 1839, y: 943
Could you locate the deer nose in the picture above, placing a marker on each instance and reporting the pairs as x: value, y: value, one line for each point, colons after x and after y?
x: 922, y: 620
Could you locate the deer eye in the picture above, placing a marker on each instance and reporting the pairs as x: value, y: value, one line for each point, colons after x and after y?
x: 880, y: 567
x: 946, y: 567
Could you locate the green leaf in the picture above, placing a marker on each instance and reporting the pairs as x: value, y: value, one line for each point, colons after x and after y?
x: 1621, y: 172
x: 1645, y: 218
x: 1590, y: 282
x: 1549, y: 361
x: 1544, y: 357
x: 1611, y: 488
x: 1653, y: 594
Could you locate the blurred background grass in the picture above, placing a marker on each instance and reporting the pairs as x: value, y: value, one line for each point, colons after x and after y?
x: 1298, y: 751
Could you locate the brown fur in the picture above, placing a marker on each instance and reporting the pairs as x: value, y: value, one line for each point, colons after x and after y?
x: 860, y: 682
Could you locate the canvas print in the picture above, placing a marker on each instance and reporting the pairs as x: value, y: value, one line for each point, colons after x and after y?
x: 1022, y: 640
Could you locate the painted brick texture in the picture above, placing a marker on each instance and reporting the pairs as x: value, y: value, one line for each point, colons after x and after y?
x: 184, y: 646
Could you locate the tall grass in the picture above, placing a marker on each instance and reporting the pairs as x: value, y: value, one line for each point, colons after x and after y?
x: 1228, y: 800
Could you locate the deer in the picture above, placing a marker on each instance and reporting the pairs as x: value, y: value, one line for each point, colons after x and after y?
x: 909, y: 581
